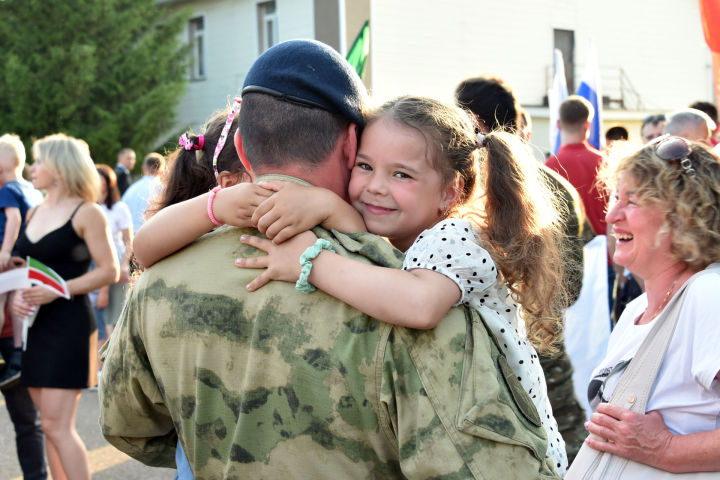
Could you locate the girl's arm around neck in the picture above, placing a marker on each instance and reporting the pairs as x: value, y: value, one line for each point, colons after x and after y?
x: 171, y: 229
x: 295, y: 208
x: 416, y: 298
x: 176, y: 226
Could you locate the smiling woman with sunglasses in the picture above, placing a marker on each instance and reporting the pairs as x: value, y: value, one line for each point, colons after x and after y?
x: 665, y: 215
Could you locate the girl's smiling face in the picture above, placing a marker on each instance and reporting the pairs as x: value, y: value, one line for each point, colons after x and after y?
x: 393, y: 185
x: 641, y: 246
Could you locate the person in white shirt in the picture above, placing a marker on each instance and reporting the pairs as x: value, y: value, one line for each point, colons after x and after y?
x: 665, y: 215
x: 109, y: 299
x: 143, y: 192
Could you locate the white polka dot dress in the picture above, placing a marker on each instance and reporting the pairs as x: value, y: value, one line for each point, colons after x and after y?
x: 450, y: 248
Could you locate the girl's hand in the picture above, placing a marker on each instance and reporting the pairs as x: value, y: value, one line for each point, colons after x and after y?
x: 282, y: 262
x: 39, y: 296
x: 291, y: 210
x: 235, y: 205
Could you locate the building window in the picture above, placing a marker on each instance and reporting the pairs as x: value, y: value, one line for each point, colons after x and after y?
x: 267, y: 26
x: 565, y: 42
x: 196, y: 29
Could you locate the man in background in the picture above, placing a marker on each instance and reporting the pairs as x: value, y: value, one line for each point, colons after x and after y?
x: 577, y: 161
x: 712, y: 112
x: 125, y: 163
x: 652, y: 127
x: 19, y: 195
x: 691, y: 124
x: 139, y: 194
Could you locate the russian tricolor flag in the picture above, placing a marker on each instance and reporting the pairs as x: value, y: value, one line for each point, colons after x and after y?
x: 590, y: 89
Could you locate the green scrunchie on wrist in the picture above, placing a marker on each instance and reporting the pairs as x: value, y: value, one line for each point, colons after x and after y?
x: 306, y: 259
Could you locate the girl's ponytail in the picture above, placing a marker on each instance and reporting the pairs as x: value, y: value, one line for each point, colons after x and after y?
x: 187, y: 176
x: 522, y: 233
x: 190, y: 171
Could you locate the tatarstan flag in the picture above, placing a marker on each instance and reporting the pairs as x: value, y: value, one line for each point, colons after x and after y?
x: 41, y: 274
x: 358, y: 53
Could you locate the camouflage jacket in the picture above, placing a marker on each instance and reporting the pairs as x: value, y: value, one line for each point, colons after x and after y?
x: 281, y: 384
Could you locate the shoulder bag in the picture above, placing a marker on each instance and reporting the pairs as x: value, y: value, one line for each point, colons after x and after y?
x: 632, y: 392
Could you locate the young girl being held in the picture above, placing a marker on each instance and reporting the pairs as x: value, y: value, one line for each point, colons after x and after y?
x: 201, y: 163
x: 414, y: 182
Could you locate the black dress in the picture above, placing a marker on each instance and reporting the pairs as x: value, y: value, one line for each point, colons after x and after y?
x: 62, y: 343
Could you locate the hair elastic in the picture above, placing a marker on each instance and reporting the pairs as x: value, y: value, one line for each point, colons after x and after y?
x: 211, y: 199
x: 223, y: 135
x: 480, y: 140
x: 187, y: 143
x: 306, y: 265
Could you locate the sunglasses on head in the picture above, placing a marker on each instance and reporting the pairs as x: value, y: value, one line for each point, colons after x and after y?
x: 673, y: 149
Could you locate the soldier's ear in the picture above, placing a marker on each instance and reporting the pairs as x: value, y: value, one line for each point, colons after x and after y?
x: 350, y: 145
x: 237, y: 139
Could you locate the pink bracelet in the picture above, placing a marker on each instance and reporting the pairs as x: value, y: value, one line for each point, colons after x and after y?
x: 211, y: 199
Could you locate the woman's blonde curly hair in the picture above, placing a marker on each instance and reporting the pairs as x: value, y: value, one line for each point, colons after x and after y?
x: 690, y: 202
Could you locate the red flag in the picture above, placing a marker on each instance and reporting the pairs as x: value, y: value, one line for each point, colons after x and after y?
x: 710, y: 14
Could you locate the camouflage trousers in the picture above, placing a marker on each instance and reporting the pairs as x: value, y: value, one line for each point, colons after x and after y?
x: 568, y: 412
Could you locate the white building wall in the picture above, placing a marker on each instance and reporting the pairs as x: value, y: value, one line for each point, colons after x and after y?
x: 231, y: 45
x: 296, y: 19
x: 428, y: 46
x: 228, y: 24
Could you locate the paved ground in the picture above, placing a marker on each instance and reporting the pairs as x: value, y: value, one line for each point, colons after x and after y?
x: 106, y: 462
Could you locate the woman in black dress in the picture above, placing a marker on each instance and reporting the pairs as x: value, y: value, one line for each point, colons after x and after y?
x: 66, y: 231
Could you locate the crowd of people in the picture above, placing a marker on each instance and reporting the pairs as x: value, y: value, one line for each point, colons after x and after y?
x: 317, y: 287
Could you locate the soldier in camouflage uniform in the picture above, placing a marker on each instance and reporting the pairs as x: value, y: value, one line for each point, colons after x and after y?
x: 279, y: 383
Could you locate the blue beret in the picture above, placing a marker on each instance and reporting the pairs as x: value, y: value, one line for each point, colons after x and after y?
x: 309, y: 73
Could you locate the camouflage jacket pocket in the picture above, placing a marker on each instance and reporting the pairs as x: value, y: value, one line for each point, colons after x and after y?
x: 519, y: 395
x: 460, y: 368
x: 493, y: 405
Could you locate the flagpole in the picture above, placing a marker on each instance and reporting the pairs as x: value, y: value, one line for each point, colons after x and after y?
x: 342, y: 24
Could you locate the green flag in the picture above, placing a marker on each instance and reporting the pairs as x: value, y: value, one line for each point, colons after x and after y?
x: 360, y: 49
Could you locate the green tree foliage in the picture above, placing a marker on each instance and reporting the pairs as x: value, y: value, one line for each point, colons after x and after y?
x: 108, y: 71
